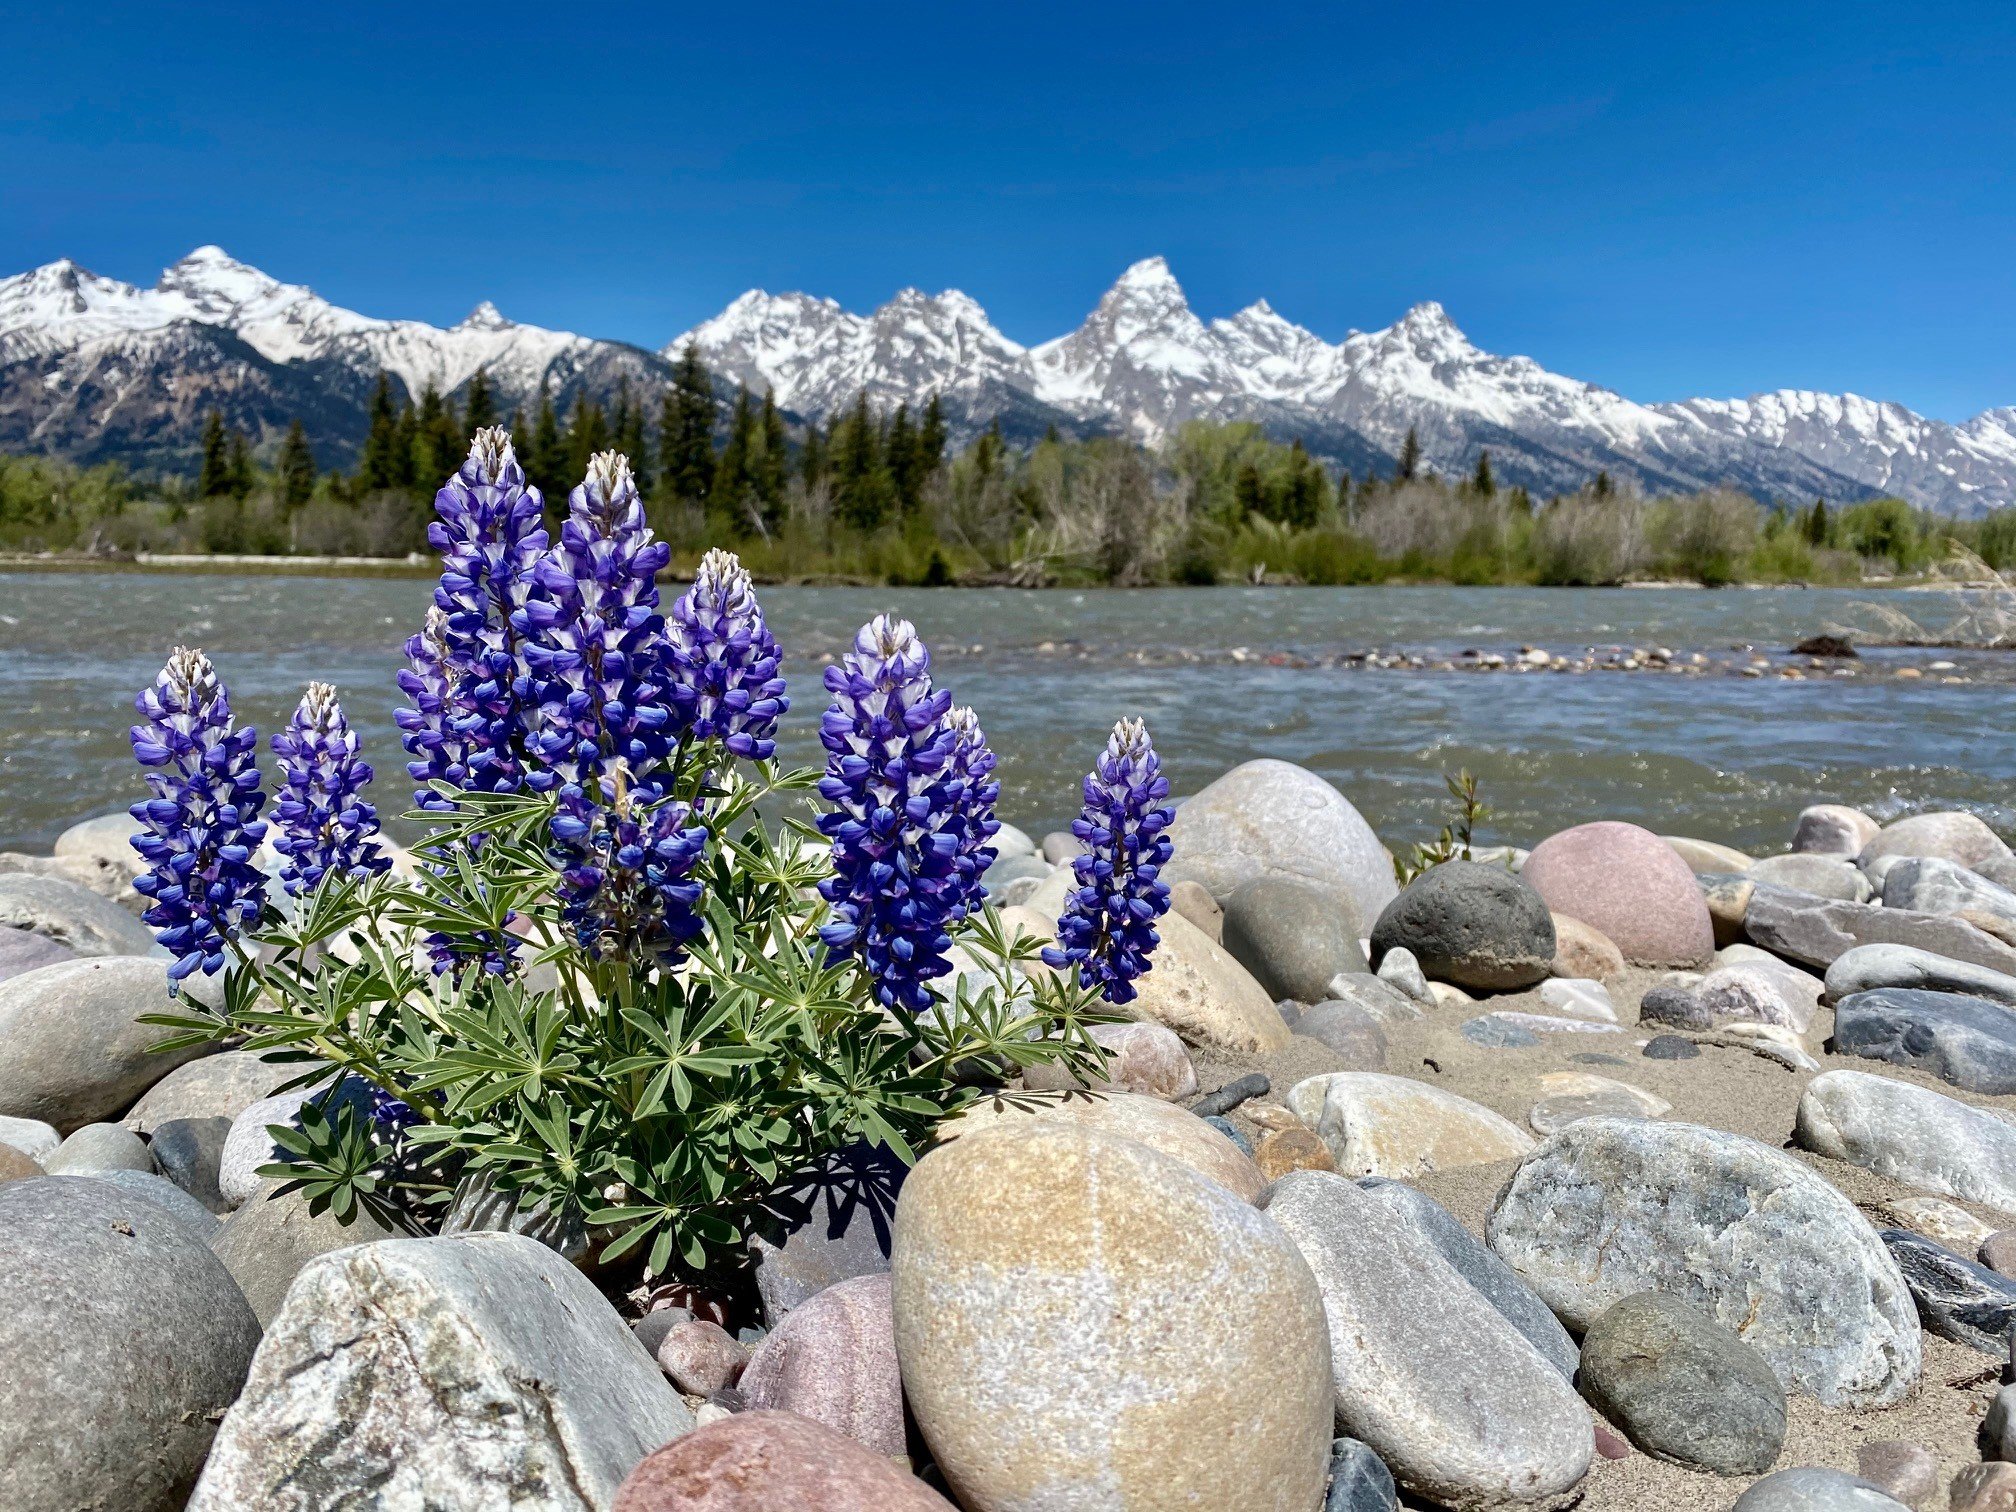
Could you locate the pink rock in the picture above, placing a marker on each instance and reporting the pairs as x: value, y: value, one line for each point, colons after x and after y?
x: 771, y: 1462
x: 1145, y: 1058
x: 701, y: 1357
x: 833, y: 1359
x: 1630, y: 885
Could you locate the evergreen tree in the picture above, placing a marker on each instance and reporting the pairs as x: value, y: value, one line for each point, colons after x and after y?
x: 1522, y: 502
x: 438, y: 446
x: 862, y: 493
x: 734, y: 488
x: 214, y: 481
x: 932, y: 436
x: 1482, y: 481
x: 629, y: 437
x: 1249, y: 492
x: 587, y: 434
x: 900, y: 447
x: 686, y: 431
x: 405, y: 447
x: 1301, y: 503
x: 545, y: 460
x: 1816, y: 524
x: 1410, y: 457
x: 479, y: 404
x: 378, y: 467
x: 1051, y: 436
x: 1603, y: 487
x: 239, y: 466
x: 812, y: 458
x: 297, y: 468
x: 989, y: 452
x: 773, y: 465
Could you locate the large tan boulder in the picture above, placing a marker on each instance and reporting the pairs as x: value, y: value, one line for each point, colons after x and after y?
x: 1196, y: 988
x: 1169, y: 1130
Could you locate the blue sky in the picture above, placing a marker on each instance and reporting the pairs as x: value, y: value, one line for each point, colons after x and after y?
x: 1672, y: 200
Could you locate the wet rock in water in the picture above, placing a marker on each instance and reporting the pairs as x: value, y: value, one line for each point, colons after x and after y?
x: 1833, y: 646
x: 23, y: 951
x: 1751, y: 1236
x: 217, y: 1086
x: 1815, y: 931
x: 1953, y: 836
x: 1585, y: 952
x: 72, y: 915
x: 1380, y: 1125
x: 1833, y: 829
x: 1822, y: 876
x: 30, y: 1136
x: 1359, y: 1480
x: 1676, y: 1007
x: 1494, y: 1280
x: 1760, y: 992
x: 1576, y: 997
x: 1868, y: 967
x: 474, y: 1370
x: 1963, y: 1040
x: 833, y: 1359
x: 1283, y: 1150
x: 1941, y: 1222
x: 1471, y: 925
x: 124, y: 1340
x: 1670, y: 1047
x: 72, y: 1047
x: 1197, y: 989
x: 1905, y: 1471
x: 1401, y: 970
x: 1232, y: 1094
x: 165, y: 1195
x: 1040, y: 1270
x: 1350, y: 1032
x: 1573, y: 1096
x: 1458, y: 1404
x: 1631, y: 885
x: 1683, y: 1387
x: 1705, y: 857
x: 1293, y: 936
x: 1984, y: 1488
x: 1493, y: 1032
x: 1144, y: 1058
x: 1910, y: 1134
x: 266, y: 1242
x: 1957, y: 1298
x: 1275, y: 818
x: 1810, y: 1489
x: 1926, y: 884
x: 771, y: 1462
x: 1728, y: 902
x: 100, y: 1147
x: 1170, y: 1131
x: 1194, y: 902
x: 190, y: 1152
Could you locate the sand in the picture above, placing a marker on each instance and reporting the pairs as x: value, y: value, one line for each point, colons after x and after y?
x: 1724, y: 1089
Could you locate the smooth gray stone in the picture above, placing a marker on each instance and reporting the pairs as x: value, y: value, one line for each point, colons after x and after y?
x: 1241, y: 1089
x: 1833, y: 829
x: 1816, y: 1490
x: 1910, y: 1134
x: 1822, y: 876
x: 1816, y: 931
x: 124, y: 1338
x: 1957, y: 1298
x: 478, y: 1206
x: 1401, y: 969
x: 72, y: 1049
x: 1293, y: 936
x: 1683, y: 1387
x: 1435, y: 1380
x: 249, y: 1145
x: 31, y: 1136
x: 167, y: 1196
x: 265, y: 1243
x: 2001, y: 870
x: 1749, y: 1235
x: 1010, y: 840
x: 1377, y: 996
x: 100, y: 1147
x: 1060, y: 846
x: 189, y: 1152
x: 1869, y: 967
x: 1491, y: 1031
x: 1670, y: 1047
x: 480, y: 1370
x: 218, y: 1086
x: 1473, y: 925
x: 1013, y: 868
x: 72, y: 915
x: 1997, y: 1437
x: 1677, y: 1008
x: 1963, y: 1040
x: 1350, y: 1033
x: 1952, y: 835
x: 22, y: 950
x: 1359, y: 1480
x: 1494, y: 1280
x: 826, y: 1225
x: 1930, y: 885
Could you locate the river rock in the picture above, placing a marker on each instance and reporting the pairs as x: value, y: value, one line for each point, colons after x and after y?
x: 1963, y: 1040
x: 1494, y: 1280
x: 1728, y: 902
x: 1380, y: 1125
x: 1957, y: 837
x: 1144, y: 1058
x: 1611, y: 1207
x: 1833, y: 829
x: 1193, y: 900
x: 189, y: 1152
x: 1572, y: 1096
x: 1926, y: 884
x: 1815, y: 931
x: 1234, y: 1092
x: 1007, y: 869
x: 249, y: 1146
x: 1760, y: 992
x: 1983, y: 1488
x: 1868, y: 967
x: 1471, y: 925
x: 1351, y: 1033
x: 1170, y: 1131
x: 1957, y: 1298
x: 1060, y: 847
x: 1041, y: 1271
x: 105, y: 841
x: 23, y: 950
x: 1273, y: 817
x: 167, y: 1196
x: 1705, y: 857
x: 1677, y: 1008
x: 17, y: 1166
x: 476, y: 1370
x: 1810, y: 1489
x: 1548, y: 1023
x: 833, y: 1359
x: 1822, y: 876
x: 1629, y: 884
x: 1197, y: 989
x: 1670, y: 1047
x: 1494, y: 1032
x: 702, y: 1357
x: 1941, y: 1222
x: 1683, y: 1387
x: 479, y: 1205
x: 124, y: 1340
x: 1579, y: 998
x: 825, y: 1225
x: 1458, y: 1404
x: 72, y: 1049
x: 100, y: 1147
x: 1293, y: 936
x: 1910, y: 1134
x: 217, y: 1086
x: 266, y: 1242
x: 1383, y: 999
x: 1584, y: 952
x: 30, y: 1136
x: 72, y: 915
x: 1359, y: 1480
x: 771, y: 1462
x: 1905, y: 1471
x: 1401, y: 970
x: 1283, y: 1150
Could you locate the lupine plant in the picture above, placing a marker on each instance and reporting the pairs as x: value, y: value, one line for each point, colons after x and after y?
x: 637, y: 972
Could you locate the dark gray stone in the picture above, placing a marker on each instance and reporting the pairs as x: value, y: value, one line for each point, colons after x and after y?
x: 1497, y: 1281
x: 829, y: 1224
x: 1816, y: 931
x: 167, y: 1196
x: 1957, y: 1298
x: 479, y: 1206
x: 1684, y: 1388
x: 1967, y: 1041
x: 1290, y: 1011
x: 1670, y: 1047
x: 1242, y: 1089
x: 1474, y: 925
x: 124, y: 1340
x: 1232, y: 1132
x: 1349, y: 1031
x: 189, y: 1151
x: 1492, y: 1032
x: 1359, y: 1480
x: 1677, y: 1008
x: 1292, y: 936
x: 22, y: 950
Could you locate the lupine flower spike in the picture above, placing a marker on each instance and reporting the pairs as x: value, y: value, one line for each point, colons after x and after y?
x: 1107, y: 928
x: 323, y: 821
x: 627, y: 888
x: 724, y: 661
x: 970, y: 794
x: 201, y: 827
x: 899, y: 830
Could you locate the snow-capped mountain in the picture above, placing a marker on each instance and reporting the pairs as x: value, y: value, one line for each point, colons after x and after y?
x: 92, y: 367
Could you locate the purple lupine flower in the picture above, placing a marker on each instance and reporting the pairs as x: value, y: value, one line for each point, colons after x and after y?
x: 428, y: 729
x: 201, y: 827
x: 323, y: 821
x: 627, y: 888
x: 970, y: 793
x: 724, y: 683
x: 1107, y: 928
x: 896, y: 828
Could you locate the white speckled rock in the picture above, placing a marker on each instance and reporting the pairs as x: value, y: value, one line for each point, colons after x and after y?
x: 1378, y: 1125
x: 1910, y: 1134
x: 1579, y: 998
x: 1761, y: 992
x: 1754, y: 1238
x: 1168, y: 1130
x: 1041, y: 1274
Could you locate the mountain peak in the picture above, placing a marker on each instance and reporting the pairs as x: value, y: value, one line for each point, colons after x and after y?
x: 485, y: 317
x: 1150, y: 276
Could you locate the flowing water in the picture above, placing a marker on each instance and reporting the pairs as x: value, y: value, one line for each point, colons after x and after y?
x: 1221, y: 675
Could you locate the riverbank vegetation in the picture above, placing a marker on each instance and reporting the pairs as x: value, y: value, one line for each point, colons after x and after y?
x: 883, y: 498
